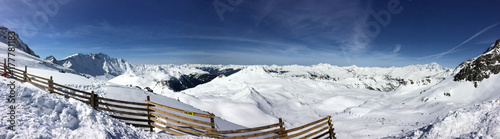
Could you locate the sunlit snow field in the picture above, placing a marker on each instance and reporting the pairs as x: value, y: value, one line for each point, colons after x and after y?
x: 253, y: 97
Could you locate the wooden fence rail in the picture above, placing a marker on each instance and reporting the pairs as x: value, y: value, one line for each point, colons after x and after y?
x: 120, y: 109
x: 180, y: 122
x: 192, y: 119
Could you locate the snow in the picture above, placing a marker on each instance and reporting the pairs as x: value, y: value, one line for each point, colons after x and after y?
x: 43, y: 115
x: 338, y: 104
x: 40, y: 114
x: 478, y: 121
x: 364, y: 102
x: 151, y: 75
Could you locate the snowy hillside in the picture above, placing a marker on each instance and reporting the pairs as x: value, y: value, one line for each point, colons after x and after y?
x: 478, y: 121
x: 364, y: 102
x: 40, y: 114
x: 298, y: 94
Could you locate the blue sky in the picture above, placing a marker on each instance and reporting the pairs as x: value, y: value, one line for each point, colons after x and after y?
x: 304, y: 32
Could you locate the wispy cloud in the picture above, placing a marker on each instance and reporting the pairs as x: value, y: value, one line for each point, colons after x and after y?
x: 327, y: 24
x: 397, y: 48
x: 238, y: 39
x: 452, y: 50
x: 92, y: 29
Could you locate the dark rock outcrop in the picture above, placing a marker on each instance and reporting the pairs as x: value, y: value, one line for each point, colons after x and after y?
x: 482, y: 67
x: 217, y: 71
x: 51, y: 59
x: 189, y: 81
x: 192, y: 80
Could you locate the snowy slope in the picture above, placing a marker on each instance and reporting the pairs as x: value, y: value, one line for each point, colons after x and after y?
x: 478, y: 121
x: 43, y: 115
x: 472, y: 99
x: 365, y: 102
x: 295, y: 99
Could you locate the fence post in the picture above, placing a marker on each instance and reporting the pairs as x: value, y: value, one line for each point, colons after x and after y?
x: 282, y: 132
x: 212, y: 120
x: 212, y: 133
x: 4, y: 65
x: 51, y: 85
x: 93, y: 100
x: 25, y: 74
x: 330, y: 129
x: 150, y: 123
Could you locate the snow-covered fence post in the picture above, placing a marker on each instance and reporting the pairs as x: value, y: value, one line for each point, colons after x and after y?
x: 282, y: 131
x: 330, y: 129
x: 150, y: 123
x: 51, y: 85
x: 25, y: 74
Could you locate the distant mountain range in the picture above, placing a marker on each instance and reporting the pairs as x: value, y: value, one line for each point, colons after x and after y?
x: 365, y: 102
x: 380, y: 79
x: 180, y: 77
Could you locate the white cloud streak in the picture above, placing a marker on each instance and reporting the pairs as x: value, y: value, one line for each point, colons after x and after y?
x: 329, y: 24
x: 452, y: 50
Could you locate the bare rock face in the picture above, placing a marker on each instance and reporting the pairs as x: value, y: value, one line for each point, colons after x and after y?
x: 51, y: 59
x: 4, y: 31
x: 480, y: 68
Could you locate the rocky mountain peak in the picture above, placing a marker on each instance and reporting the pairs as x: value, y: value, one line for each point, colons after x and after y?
x: 20, y: 45
x: 481, y: 67
x: 93, y: 64
x: 496, y: 46
x: 51, y: 59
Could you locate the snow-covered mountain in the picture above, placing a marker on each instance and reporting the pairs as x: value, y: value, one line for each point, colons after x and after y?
x: 366, y: 102
x: 481, y: 67
x: 93, y: 64
x: 181, y: 77
x: 40, y: 114
x: 50, y: 59
x: 416, y: 101
x: 20, y: 45
x: 173, y: 77
x: 372, y: 78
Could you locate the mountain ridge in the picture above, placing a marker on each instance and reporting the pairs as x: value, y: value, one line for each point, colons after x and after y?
x: 4, y: 35
x: 93, y: 64
x: 480, y: 68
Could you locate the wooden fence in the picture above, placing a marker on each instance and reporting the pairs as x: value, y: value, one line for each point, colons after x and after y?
x: 132, y: 113
x: 180, y: 122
